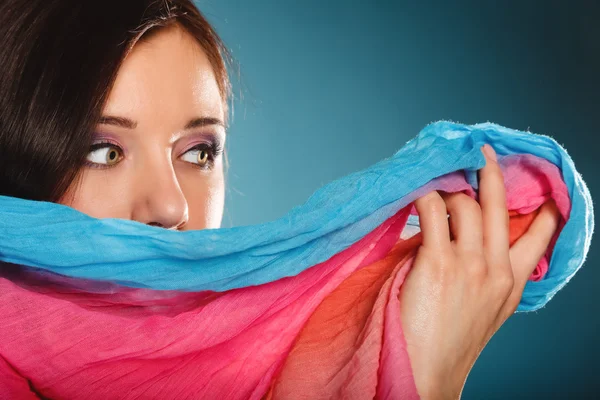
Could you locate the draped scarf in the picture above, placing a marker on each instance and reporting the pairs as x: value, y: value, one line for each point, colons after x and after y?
x: 303, y: 307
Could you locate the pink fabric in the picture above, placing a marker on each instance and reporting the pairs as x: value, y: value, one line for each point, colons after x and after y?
x: 332, y: 331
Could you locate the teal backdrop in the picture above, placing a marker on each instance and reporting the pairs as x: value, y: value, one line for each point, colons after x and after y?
x: 330, y: 87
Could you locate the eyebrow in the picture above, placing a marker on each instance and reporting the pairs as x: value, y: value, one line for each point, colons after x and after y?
x: 203, y: 121
x: 117, y: 121
x: 127, y: 123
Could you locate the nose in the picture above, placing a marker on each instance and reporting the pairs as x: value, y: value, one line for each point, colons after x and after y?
x: 158, y: 198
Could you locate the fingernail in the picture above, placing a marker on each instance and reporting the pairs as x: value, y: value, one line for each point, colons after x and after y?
x: 489, y: 151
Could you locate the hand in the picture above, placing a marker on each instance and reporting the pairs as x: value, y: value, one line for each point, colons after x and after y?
x: 465, y: 280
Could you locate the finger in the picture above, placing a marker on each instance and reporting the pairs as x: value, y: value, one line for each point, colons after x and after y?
x: 433, y: 220
x: 528, y: 250
x: 465, y: 222
x: 492, y: 197
x: 526, y: 253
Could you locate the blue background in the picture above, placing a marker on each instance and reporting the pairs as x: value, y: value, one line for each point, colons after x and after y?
x: 331, y: 87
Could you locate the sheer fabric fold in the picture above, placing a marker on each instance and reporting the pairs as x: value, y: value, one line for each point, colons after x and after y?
x: 303, y: 307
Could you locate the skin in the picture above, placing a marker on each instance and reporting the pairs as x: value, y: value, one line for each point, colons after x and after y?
x: 163, y: 84
x: 463, y: 287
x: 460, y: 289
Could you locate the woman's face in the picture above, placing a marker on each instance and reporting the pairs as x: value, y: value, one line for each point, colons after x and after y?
x: 156, y: 156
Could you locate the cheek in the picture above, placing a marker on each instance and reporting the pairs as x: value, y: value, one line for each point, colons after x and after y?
x: 99, y: 194
x: 205, y: 197
x: 108, y: 194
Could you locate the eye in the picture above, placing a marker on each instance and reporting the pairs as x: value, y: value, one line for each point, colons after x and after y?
x: 202, y: 155
x: 104, y: 154
x: 196, y: 156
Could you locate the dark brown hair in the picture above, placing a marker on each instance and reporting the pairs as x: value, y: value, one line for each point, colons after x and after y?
x: 58, y: 62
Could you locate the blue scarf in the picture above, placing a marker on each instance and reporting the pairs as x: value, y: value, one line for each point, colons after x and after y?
x: 61, y: 240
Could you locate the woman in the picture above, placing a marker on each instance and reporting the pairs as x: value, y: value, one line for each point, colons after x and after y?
x: 119, y: 110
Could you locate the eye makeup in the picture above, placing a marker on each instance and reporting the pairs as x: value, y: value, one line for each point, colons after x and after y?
x: 102, y: 141
x: 211, y: 143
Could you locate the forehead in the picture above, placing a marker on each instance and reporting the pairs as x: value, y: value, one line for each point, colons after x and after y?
x: 166, y: 74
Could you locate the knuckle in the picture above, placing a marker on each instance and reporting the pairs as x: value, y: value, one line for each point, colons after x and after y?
x: 466, y: 201
x: 429, y: 196
x: 444, y: 261
x: 475, y: 265
x: 430, y: 200
x: 467, y: 204
x: 435, y: 204
x: 472, y: 207
x: 494, y: 167
x: 504, y: 283
x: 478, y: 275
x: 435, y: 259
x: 437, y: 264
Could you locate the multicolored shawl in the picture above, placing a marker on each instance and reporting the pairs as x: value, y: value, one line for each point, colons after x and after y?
x: 303, y: 307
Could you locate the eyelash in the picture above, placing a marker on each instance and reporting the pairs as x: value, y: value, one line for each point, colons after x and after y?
x: 214, y: 148
x: 101, y: 145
